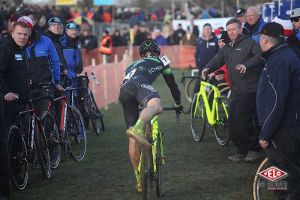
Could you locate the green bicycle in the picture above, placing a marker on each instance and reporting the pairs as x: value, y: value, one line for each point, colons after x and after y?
x: 214, y: 113
x: 152, y: 159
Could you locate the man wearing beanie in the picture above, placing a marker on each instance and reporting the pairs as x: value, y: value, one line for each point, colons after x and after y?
x: 278, y: 107
x: 55, y: 33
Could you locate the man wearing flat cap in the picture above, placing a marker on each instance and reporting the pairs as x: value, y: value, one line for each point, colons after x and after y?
x: 278, y: 107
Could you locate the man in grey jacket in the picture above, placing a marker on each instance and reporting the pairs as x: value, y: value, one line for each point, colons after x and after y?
x: 242, y: 58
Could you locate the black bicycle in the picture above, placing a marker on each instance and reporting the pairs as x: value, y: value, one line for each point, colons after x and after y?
x: 27, y: 143
x: 88, y: 105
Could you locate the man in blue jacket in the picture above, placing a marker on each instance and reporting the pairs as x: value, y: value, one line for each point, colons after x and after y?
x: 278, y: 106
x: 43, y: 64
x: 71, y: 51
x: 254, y: 23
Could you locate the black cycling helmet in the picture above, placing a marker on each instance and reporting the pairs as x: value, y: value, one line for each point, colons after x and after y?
x: 149, y: 46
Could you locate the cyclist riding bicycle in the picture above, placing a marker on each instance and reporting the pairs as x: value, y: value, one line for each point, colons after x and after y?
x: 136, y: 89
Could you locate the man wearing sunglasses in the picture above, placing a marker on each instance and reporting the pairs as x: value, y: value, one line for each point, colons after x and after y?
x: 295, y: 19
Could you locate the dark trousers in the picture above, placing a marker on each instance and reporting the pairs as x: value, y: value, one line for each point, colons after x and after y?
x: 4, y: 174
x: 285, y: 154
x: 42, y: 105
x: 242, y: 115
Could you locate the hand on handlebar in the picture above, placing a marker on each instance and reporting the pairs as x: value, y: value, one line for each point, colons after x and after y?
x: 59, y: 87
x: 204, y: 73
x: 179, y: 107
x: 11, y: 97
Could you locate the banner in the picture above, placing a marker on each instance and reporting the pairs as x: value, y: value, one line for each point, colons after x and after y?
x: 38, y: 2
x: 103, y: 2
x: 65, y: 2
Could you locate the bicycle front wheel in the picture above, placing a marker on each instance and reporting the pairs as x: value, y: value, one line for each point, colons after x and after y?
x: 95, y: 115
x: 146, y: 174
x: 42, y: 150
x: 221, y: 127
x: 17, y: 158
x: 76, y: 134
x: 189, y: 89
x: 198, y: 117
x: 159, y: 162
x: 260, y: 188
x: 52, y: 135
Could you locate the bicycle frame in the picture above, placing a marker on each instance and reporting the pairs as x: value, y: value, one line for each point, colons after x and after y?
x: 212, y: 113
x: 155, y: 134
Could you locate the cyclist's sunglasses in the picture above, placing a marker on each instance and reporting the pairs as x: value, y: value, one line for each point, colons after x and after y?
x: 295, y: 19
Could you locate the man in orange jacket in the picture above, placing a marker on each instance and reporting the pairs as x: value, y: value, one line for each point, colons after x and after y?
x: 106, y: 46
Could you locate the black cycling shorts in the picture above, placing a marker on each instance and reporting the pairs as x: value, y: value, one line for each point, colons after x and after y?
x: 131, y: 96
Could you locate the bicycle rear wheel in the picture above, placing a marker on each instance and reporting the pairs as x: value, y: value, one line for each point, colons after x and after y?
x: 260, y: 190
x: 17, y: 158
x: 157, y: 175
x: 221, y: 127
x: 95, y: 115
x: 189, y: 89
x: 42, y: 150
x: 76, y: 134
x: 198, y: 117
x: 52, y: 136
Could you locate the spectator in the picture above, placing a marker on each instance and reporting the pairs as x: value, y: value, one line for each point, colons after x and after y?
x: 141, y: 35
x: 288, y: 32
x: 241, y: 15
x: 71, y: 50
x: 254, y: 23
x: 55, y: 34
x: 207, y: 47
x: 117, y: 39
x: 106, y: 46
x: 178, y: 35
x: 295, y: 18
x: 189, y: 38
x: 167, y: 32
x: 43, y: 64
x: 278, y: 108
x: 159, y: 39
x: 125, y: 36
x: 242, y: 59
x: 196, y: 31
x: 88, y: 41
x: 14, y: 84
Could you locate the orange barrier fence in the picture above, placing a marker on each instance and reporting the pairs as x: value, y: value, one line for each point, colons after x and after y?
x: 181, y: 56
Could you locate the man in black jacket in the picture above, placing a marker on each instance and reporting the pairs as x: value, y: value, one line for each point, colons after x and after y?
x: 278, y: 107
x: 14, y: 84
x: 243, y: 60
x: 55, y: 33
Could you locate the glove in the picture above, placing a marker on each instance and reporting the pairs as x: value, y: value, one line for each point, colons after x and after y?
x: 178, y: 106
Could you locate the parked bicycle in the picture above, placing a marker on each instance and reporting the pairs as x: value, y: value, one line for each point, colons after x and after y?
x: 71, y: 132
x: 214, y: 113
x: 89, y: 108
x: 27, y: 143
x: 152, y: 159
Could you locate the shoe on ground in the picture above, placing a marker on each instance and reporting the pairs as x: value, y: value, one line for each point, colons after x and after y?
x: 138, y: 187
x: 251, y: 156
x: 141, y: 139
x: 237, y: 157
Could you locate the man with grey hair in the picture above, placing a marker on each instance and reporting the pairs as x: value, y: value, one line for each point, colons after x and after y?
x: 278, y: 107
x: 242, y: 59
x: 254, y: 23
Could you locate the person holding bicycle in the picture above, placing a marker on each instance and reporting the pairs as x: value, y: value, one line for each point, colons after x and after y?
x: 136, y: 89
x: 14, y: 84
x: 242, y: 57
x: 278, y: 106
x: 43, y: 63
